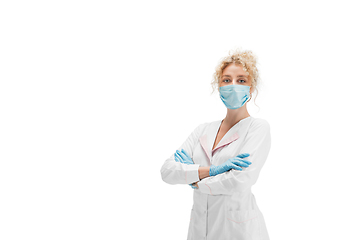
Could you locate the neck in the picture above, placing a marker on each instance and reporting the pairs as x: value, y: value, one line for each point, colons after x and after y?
x: 235, y: 115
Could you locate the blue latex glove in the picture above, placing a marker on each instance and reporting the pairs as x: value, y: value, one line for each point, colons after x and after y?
x: 232, y: 163
x: 185, y: 158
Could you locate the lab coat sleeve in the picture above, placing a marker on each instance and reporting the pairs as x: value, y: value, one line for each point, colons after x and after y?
x: 257, y: 143
x: 173, y: 172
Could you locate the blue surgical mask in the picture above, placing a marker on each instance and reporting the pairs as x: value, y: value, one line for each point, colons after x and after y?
x: 234, y: 96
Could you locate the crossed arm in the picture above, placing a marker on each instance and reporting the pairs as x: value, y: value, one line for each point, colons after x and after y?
x: 203, y: 172
x: 257, y: 144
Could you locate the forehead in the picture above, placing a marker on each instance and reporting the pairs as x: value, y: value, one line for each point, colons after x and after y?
x: 234, y: 69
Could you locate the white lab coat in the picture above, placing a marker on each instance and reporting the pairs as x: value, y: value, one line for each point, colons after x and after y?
x: 224, y: 207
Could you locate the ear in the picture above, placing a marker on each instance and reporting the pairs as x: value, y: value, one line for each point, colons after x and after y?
x: 252, y: 89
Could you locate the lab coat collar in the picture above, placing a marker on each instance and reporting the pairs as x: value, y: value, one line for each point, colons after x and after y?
x: 207, y: 140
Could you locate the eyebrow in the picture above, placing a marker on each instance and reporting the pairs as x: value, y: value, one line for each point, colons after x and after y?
x: 236, y: 76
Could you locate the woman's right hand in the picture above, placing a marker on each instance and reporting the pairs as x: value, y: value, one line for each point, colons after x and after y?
x: 184, y: 157
x: 232, y: 163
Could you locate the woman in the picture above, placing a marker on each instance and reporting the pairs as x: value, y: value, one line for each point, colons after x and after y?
x: 221, y: 160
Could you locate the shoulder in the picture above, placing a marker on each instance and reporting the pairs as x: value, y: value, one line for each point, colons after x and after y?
x: 260, y: 124
x: 203, y: 127
x: 208, y: 124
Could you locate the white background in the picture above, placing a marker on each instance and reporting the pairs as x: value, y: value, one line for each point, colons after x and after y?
x: 95, y: 95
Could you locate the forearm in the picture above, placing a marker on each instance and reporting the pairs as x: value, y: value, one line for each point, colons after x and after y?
x: 203, y: 172
x: 173, y: 172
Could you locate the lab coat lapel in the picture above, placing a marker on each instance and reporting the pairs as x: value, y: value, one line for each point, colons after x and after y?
x: 207, y: 140
x: 225, y: 142
x: 237, y: 132
x: 205, y: 146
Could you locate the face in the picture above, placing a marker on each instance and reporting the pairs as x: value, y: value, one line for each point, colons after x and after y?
x: 234, y: 74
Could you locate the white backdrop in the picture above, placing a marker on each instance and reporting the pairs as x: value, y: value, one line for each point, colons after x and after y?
x: 95, y: 95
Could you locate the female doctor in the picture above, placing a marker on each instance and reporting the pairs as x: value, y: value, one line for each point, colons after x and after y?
x: 221, y: 160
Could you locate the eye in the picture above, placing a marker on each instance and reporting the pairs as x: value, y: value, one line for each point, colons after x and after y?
x: 226, y: 80
x: 242, y: 80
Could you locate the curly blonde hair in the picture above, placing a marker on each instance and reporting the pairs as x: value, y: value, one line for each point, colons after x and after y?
x: 246, y: 59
